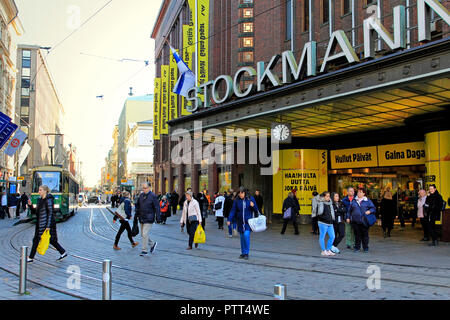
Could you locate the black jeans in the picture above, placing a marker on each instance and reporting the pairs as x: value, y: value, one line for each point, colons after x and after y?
x: 53, y: 242
x: 174, y: 209
x: 124, y: 225
x: 339, y: 231
x: 361, y: 235
x: 315, y: 224
x: 220, y: 222
x: 285, y: 223
x: 164, y: 216
x: 191, y: 227
x: 426, y: 233
x: 432, y: 229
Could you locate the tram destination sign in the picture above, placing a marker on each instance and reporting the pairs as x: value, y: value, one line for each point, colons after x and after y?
x: 293, y: 71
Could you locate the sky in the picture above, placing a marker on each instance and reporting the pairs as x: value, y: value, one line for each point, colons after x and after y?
x: 119, y: 31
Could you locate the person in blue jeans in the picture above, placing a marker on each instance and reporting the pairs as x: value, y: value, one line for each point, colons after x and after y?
x: 244, y: 206
x: 326, y: 217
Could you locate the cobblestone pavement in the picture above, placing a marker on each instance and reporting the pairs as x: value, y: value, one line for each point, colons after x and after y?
x: 409, y: 269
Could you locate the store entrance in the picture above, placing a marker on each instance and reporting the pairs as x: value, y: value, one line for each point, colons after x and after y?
x: 404, y: 182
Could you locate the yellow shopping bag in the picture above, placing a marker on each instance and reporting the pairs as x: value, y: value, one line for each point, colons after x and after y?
x: 43, y: 244
x: 199, y: 236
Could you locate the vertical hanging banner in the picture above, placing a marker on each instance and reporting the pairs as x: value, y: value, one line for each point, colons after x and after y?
x: 203, y: 41
x: 188, y: 49
x: 164, y: 99
x: 173, y: 97
x: 4, y: 121
x: 15, y: 143
x: 157, y: 110
x: 7, y: 133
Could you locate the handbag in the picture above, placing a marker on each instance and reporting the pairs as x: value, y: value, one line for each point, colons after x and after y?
x: 44, y: 242
x: 121, y: 210
x: 258, y: 224
x: 370, y: 219
x: 218, y: 205
x: 135, y: 229
x: 287, y: 214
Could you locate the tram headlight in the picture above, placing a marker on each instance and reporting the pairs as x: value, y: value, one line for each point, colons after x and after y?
x: 34, y: 206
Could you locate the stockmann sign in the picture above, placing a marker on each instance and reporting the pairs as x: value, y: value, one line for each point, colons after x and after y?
x: 292, y: 70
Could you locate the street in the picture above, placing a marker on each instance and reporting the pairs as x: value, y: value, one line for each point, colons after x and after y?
x: 409, y: 269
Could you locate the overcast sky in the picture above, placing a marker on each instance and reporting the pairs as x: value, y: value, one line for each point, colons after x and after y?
x: 121, y: 30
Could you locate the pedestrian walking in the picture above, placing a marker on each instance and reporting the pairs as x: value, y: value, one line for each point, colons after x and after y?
x: 147, y: 209
x: 174, y: 202
x: 24, y: 201
x: 164, y: 208
x: 45, y: 216
x: 218, y: 209
x: 290, y: 203
x: 125, y: 207
x: 12, y: 205
x: 204, y: 207
x: 326, y: 217
x: 113, y: 200
x: 259, y: 200
x: 349, y: 234
x: 314, y: 207
x: 228, y: 204
x: 434, y: 206
x: 339, y: 221
x: 422, y: 214
x: 181, y: 202
x: 359, y: 207
x: 191, y: 217
x: 244, y: 207
x: 387, y: 212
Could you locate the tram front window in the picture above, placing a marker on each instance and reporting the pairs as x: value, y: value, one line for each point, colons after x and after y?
x: 50, y: 179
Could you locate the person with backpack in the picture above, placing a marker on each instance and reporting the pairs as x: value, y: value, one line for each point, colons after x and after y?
x: 360, y: 207
x: 244, y: 207
x: 326, y: 217
x: 164, y: 208
x: 434, y: 204
x: 339, y: 222
x: 291, y: 209
x: 124, y: 211
x: 219, y: 208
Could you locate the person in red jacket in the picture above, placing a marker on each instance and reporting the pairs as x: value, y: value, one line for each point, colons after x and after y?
x: 164, y: 208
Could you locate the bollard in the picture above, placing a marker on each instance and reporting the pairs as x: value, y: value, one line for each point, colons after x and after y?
x: 106, y: 292
x: 280, y: 292
x: 23, y: 270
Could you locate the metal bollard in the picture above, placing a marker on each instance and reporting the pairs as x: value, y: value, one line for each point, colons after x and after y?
x: 280, y: 292
x: 23, y: 270
x: 106, y: 286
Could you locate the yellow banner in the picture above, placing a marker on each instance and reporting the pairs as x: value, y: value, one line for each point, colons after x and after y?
x: 157, y: 110
x: 304, y: 170
x: 354, y: 158
x: 192, y: 10
x: 173, y: 97
x: 188, y: 49
x: 403, y: 154
x: 164, y: 99
x: 202, y: 38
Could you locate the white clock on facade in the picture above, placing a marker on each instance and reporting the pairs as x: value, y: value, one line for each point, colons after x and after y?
x: 281, y: 132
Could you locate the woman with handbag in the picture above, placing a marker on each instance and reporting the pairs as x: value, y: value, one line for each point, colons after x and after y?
x: 164, y: 208
x: 291, y: 208
x: 45, y: 221
x: 360, y: 207
x: 124, y: 211
x: 191, y: 217
x: 243, y: 209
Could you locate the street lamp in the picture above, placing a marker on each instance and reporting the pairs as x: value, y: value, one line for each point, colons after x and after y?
x: 51, y: 140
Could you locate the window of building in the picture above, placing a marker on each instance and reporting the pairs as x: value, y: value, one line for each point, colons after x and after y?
x: 24, y: 111
x: 25, y: 91
x: 26, y: 63
x: 346, y: 7
x: 288, y: 19
x: 306, y: 15
x: 25, y: 102
x: 247, y: 27
x: 24, y: 121
x: 325, y: 11
x: 370, y: 2
x: 26, y: 54
x: 248, y: 13
x: 26, y: 72
x: 25, y: 82
x: 247, y: 56
x: 248, y: 1
x: 24, y: 129
x: 247, y: 42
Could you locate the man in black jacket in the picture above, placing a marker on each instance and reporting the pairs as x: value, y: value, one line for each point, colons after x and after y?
x: 259, y: 201
x: 147, y: 208
x: 174, y: 202
x: 433, y: 206
x: 291, y: 202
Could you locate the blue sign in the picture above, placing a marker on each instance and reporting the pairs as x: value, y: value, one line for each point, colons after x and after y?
x: 4, y: 120
x: 12, y: 188
x: 7, y: 133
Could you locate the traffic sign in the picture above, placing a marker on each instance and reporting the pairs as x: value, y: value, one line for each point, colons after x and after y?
x: 20, y: 178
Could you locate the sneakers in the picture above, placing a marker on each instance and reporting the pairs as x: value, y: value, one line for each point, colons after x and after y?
x: 330, y: 253
x: 30, y: 260
x: 335, y: 250
x: 245, y: 257
x: 189, y: 248
x: 62, y: 256
x: 324, y: 253
x: 366, y: 250
x: 143, y: 253
x: 134, y: 244
x: 230, y: 236
x: 356, y: 250
x: 152, y: 249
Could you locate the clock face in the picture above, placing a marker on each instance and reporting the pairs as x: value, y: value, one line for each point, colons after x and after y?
x: 281, y: 132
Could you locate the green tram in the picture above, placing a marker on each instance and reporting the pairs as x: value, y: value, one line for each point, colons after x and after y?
x: 63, y: 187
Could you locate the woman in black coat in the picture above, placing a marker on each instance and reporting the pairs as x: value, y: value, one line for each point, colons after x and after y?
x: 291, y: 202
x: 45, y: 220
x: 339, y: 221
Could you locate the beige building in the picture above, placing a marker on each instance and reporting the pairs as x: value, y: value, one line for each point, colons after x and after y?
x: 139, y: 150
x: 10, y: 28
x: 40, y: 111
